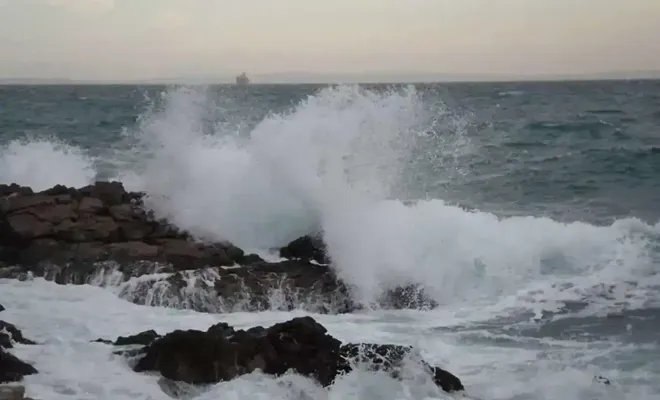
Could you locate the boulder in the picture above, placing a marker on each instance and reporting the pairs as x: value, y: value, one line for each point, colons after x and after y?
x: 12, y: 369
x: 100, y: 222
x: 302, y: 345
x: 9, y: 335
x: 306, y: 248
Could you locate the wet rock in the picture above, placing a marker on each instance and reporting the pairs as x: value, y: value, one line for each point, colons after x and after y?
x: 284, y: 286
x: 306, y: 248
x: 74, y: 236
x: 390, y: 358
x: 142, y: 338
x: 13, y: 369
x: 12, y: 392
x: 100, y: 222
x: 301, y: 345
x: 9, y: 335
x: 2, y: 308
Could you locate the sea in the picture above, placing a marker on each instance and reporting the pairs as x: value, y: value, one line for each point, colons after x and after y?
x: 529, y: 211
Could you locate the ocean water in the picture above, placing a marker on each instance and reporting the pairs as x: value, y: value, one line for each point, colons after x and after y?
x: 529, y: 211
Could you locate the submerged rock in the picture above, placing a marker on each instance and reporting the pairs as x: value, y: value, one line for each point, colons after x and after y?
x: 13, y: 369
x: 301, y: 345
x: 9, y: 335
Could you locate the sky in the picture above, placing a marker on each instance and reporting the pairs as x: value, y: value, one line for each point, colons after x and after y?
x: 126, y: 40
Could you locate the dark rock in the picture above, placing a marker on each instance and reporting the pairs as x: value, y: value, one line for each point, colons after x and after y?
x: 198, y: 357
x: 104, y: 341
x: 301, y: 345
x: 14, y: 189
x: 13, y: 369
x: 142, y: 338
x: 100, y: 222
x: 250, y: 259
x: 284, y: 286
x: 110, y: 193
x: 9, y: 334
x: 2, y: 308
x: 306, y: 248
x: 390, y: 358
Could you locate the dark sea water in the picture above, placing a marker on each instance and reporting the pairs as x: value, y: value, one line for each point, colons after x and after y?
x: 530, y: 211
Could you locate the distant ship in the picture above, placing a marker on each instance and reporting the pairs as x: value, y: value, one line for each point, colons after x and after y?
x: 242, y: 80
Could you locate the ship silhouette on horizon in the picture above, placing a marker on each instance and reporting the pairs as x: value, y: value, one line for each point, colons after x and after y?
x: 242, y: 80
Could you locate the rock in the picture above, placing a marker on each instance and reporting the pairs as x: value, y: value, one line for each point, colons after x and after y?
x: 284, y: 286
x: 9, y: 335
x: 7, y: 190
x: 75, y: 236
x: 301, y: 345
x: 12, y: 369
x: 100, y: 222
x: 306, y: 248
x: 142, y: 338
x: 390, y: 358
x: 2, y: 308
x: 12, y: 392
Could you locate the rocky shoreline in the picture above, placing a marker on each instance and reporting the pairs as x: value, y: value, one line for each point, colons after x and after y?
x: 221, y: 353
x: 103, y: 234
x: 12, y: 369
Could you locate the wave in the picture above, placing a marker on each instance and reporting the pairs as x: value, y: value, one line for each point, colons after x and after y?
x: 339, y: 162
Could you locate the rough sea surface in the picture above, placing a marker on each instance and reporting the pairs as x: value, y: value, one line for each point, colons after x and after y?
x: 529, y: 210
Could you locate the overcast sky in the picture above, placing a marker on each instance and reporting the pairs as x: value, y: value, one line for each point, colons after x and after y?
x: 144, y: 39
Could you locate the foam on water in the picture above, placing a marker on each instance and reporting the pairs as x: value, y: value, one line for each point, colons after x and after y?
x: 60, y: 319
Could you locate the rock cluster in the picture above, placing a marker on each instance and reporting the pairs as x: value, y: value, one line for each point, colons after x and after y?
x: 95, y: 223
x: 12, y: 369
x: 301, y: 345
x: 66, y: 234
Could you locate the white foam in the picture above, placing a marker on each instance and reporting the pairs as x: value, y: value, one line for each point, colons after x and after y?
x: 44, y: 163
x: 64, y: 319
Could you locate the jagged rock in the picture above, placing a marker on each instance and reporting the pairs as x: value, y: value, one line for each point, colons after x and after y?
x: 301, y: 345
x: 9, y: 335
x: 143, y: 338
x: 12, y: 369
x: 96, y: 223
x: 306, y: 248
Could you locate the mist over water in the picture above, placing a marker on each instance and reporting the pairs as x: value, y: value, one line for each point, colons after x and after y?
x: 406, y: 187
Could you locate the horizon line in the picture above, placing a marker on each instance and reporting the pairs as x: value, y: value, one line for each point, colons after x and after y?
x: 204, y: 82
